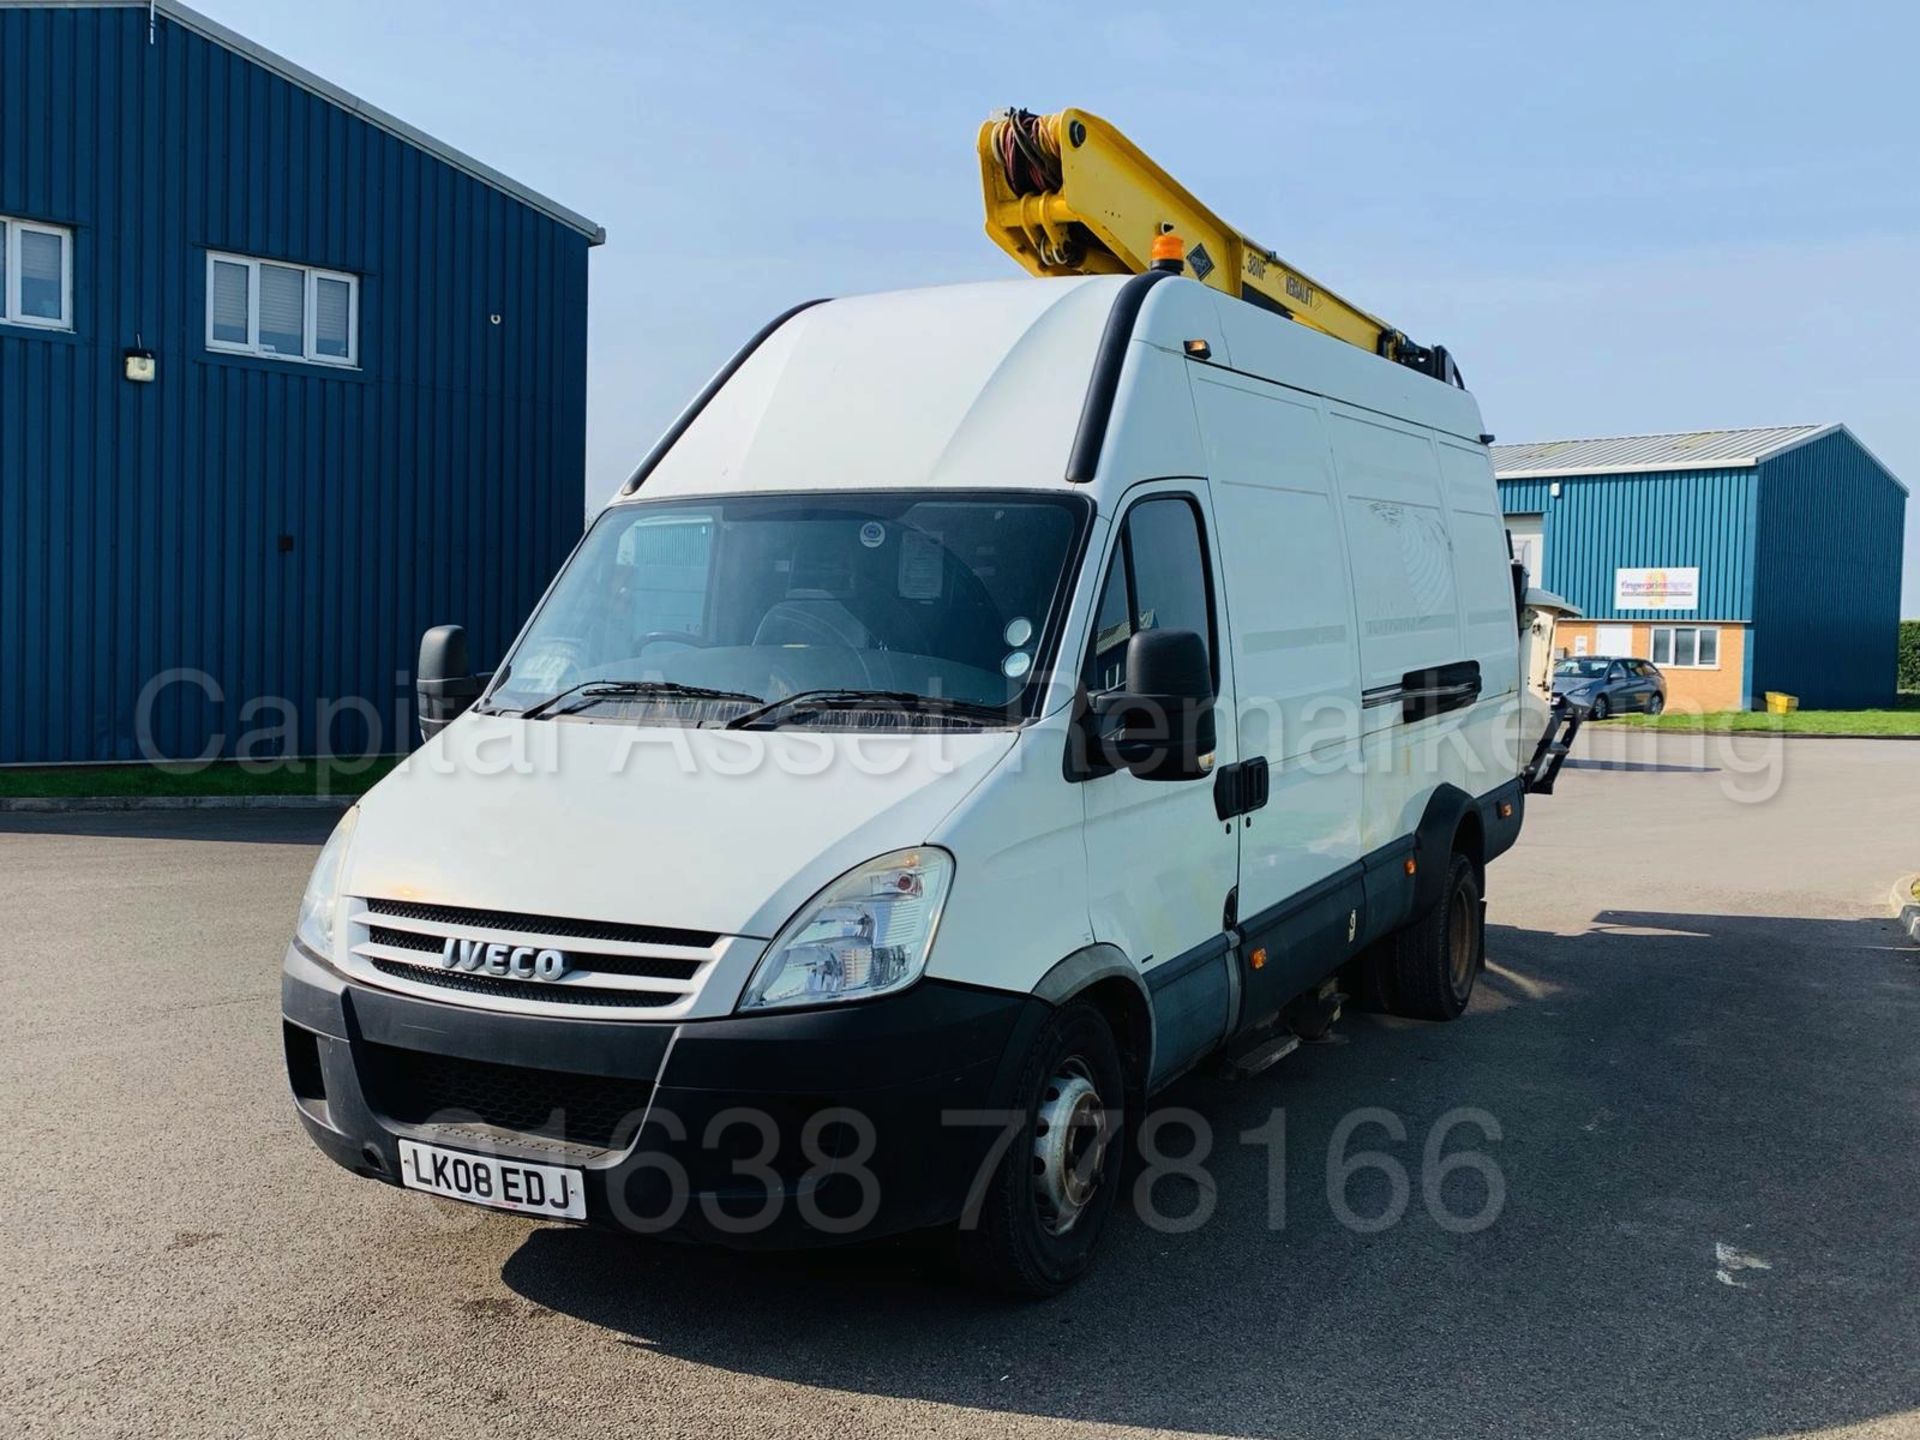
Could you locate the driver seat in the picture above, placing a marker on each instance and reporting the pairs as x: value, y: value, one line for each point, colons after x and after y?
x: 812, y: 617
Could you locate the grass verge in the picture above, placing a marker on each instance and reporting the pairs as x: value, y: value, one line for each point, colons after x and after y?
x: 225, y: 777
x: 1902, y: 719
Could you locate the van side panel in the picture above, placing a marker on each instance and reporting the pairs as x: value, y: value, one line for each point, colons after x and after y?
x: 1488, y: 622
x: 1296, y: 670
x: 1433, y: 593
x: 1258, y: 343
x: 1489, y: 743
x: 1403, y: 591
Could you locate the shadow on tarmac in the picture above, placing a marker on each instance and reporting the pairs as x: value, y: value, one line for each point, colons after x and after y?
x: 1706, y: 1148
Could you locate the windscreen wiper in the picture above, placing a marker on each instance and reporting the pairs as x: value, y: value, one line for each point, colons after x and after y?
x: 909, y: 702
x: 592, y: 690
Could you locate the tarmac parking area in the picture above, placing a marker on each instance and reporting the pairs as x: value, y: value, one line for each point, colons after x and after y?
x: 1696, y: 1040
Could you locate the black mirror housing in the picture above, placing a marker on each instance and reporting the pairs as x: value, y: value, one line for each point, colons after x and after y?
x: 444, y: 683
x: 1161, y: 726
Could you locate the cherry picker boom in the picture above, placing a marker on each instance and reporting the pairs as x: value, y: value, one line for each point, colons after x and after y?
x: 1068, y: 194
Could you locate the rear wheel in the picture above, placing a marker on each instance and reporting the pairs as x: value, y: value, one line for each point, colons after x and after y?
x: 1438, y: 957
x: 1656, y: 702
x: 1052, y: 1192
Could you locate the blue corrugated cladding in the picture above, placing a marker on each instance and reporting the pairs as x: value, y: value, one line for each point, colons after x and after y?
x: 1601, y: 523
x: 141, y: 525
x: 1827, y: 576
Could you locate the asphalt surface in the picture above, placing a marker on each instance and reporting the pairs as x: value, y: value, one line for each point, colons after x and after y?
x: 1697, y: 1038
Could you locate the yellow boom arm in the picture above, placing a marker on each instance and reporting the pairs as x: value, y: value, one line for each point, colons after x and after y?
x: 1068, y: 194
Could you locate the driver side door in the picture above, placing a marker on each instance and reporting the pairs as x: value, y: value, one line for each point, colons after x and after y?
x: 1160, y: 861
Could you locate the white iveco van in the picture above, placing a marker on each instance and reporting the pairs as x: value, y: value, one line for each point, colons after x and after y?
x: 984, y: 706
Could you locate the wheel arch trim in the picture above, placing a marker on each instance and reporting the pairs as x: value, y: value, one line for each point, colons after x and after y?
x: 1447, y: 809
x: 1098, y: 964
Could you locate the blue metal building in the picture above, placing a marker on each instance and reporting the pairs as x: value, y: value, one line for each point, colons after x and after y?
x: 283, y: 381
x: 1739, y: 561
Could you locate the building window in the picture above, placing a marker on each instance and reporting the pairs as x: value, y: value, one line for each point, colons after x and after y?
x: 36, y: 274
x: 285, y: 312
x: 1686, y: 647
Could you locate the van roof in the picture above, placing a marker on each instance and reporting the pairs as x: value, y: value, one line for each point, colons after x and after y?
x: 982, y: 386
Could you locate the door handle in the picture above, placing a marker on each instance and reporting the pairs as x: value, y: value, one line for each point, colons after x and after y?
x: 1241, y: 788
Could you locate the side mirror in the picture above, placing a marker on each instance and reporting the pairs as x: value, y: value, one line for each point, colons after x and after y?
x: 1161, y: 725
x: 444, y: 683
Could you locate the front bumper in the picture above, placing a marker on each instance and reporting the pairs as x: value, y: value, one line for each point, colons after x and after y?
x: 783, y: 1130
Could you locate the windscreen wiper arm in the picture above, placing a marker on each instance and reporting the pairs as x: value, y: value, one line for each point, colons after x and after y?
x: 589, y: 690
x: 905, y: 701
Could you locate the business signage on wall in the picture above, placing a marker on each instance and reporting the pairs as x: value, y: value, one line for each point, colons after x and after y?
x: 1672, y: 588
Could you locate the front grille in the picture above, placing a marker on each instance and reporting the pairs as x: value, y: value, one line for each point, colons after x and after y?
x: 651, y: 966
x: 609, y: 966
x: 453, y: 917
x: 415, y: 1088
x: 542, y: 990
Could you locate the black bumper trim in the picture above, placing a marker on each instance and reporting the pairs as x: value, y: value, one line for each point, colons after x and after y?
x: 901, y: 1063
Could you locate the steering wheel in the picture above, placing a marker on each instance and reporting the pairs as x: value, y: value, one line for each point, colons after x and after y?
x: 683, y: 637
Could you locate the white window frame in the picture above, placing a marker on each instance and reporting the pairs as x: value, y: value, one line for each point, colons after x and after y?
x: 10, y: 302
x: 312, y: 275
x: 1699, y: 630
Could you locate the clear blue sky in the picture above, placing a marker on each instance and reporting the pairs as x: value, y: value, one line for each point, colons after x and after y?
x: 1621, y: 218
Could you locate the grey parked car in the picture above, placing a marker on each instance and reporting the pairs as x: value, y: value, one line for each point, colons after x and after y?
x: 1606, y: 685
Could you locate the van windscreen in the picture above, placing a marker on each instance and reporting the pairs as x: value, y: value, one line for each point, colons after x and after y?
x: 696, y: 610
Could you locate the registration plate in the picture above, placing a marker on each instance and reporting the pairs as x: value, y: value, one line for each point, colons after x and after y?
x: 489, y: 1180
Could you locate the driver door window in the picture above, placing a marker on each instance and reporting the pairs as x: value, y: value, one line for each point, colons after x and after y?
x: 1156, y: 580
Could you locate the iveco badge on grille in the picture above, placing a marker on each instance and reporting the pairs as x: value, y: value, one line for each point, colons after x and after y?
x: 510, y: 962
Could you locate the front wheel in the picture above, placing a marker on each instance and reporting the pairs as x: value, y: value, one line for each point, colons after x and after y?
x: 1051, y: 1194
x: 1601, y: 709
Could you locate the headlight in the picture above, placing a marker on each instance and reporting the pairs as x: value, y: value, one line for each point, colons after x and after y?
x: 314, y: 929
x: 868, y: 933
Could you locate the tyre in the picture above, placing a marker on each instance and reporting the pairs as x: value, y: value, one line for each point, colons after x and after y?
x: 1601, y: 708
x: 1438, y: 956
x: 1656, y: 702
x: 1053, y: 1191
